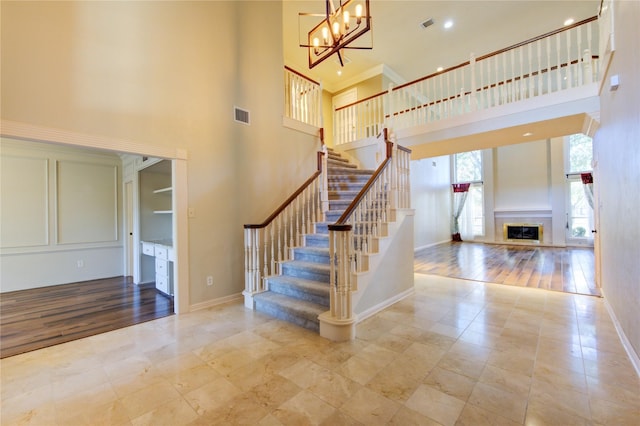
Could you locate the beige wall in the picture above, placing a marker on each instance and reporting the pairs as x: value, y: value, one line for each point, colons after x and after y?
x: 59, y: 215
x: 617, y: 175
x: 168, y: 74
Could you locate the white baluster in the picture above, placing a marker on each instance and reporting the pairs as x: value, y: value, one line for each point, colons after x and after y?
x: 558, y: 64
x: 570, y: 82
x: 512, y: 76
x: 549, y: 87
x: 521, y: 82
x: 505, y: 89
x: 579, y: 69
x: 530, y: 72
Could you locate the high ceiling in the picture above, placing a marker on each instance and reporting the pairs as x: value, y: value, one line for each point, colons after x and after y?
x: 411, y: 51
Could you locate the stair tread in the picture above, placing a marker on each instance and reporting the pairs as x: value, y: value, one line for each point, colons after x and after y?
x: 319, y: 286
x: 297, y: 306
x: 298, y: 264
x: 312, y: 249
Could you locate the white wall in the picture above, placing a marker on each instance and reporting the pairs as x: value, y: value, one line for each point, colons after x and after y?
x: 526, y: 184
x: 617, y: 175
x: 60, y: 218
x: 522, y: 180
x: 431, y: 200
x: 168, y: 74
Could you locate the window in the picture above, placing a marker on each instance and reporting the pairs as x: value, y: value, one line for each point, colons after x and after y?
x: 467, y: 167
x: 580, y: 153
x: 580, y: 213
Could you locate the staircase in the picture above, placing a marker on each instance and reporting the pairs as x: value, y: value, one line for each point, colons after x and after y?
x: 301, y: 293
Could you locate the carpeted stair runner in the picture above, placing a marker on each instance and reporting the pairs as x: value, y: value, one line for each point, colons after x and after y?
x: 301, y: 293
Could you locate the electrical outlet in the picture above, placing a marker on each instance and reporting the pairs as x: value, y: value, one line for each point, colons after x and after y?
x: 209, y: 280
x: 80, y: 263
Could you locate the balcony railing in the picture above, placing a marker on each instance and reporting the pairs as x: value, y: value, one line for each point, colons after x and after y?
x: 556, y: 61
x: 302, y: 98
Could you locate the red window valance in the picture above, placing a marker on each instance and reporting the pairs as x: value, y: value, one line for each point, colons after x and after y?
x: 586, y: 178
x: 460, y: 187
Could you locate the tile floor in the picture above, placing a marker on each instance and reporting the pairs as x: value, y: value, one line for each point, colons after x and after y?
x: 455, y: 352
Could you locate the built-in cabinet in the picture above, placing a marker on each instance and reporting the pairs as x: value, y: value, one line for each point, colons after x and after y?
x: 156, y: 224
x: 163, y: 256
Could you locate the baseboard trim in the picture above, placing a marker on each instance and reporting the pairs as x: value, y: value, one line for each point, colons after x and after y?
x: 215, y: 302
x: 626, y: 344
x: 383, y: 305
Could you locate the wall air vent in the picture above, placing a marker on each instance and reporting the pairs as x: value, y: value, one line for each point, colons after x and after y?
x: 240, y: 115
x: 427, y: 23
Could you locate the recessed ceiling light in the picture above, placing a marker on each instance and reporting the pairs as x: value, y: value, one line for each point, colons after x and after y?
x: 569, y: 21
x: 339, y: 72
x: 527, y: 134
x: 448, y: 24
x: 439, y: 69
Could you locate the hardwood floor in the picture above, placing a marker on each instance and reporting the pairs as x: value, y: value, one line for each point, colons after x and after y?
x: 38, y: 318
x: 569, y: 270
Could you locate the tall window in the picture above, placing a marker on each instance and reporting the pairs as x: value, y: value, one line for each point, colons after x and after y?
x: 467, y: 167
x: 580, y: 213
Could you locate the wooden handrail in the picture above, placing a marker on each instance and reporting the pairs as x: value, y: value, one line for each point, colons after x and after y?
x: 299, y: 74
x: 290, y: 199
x: 362, y: 100
x: 540, y: 37
x: 488, y: 55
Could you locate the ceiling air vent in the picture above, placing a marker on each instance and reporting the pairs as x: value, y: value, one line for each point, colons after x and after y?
x: 240, y: 115
x: 427, y: 23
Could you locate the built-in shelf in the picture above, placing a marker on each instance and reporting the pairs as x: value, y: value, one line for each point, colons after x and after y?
x: 163, y: 190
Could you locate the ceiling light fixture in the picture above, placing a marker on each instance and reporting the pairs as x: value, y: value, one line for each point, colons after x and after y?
x: 448, y: 24
x: 439, y: 69
x: 339, y: 27
x: 527, y: 134
x: 569, y: 22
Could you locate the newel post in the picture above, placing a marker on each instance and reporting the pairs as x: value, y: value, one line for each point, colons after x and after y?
x: 324, y: 190
x: 252, y: 277
x: 388, y: 107
x: 392, y: 152
x: 339, y: 323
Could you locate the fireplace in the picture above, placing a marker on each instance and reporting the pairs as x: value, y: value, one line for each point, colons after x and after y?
x: 523, y: 232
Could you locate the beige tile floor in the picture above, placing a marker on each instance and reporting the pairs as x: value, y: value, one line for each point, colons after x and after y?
x: 455, y: 352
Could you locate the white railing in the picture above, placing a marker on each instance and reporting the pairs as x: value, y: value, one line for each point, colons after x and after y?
x: 360, y: 120
x: 553, y: 62
x: 355, y: 235
x: 268, y: 244
x: 302, y: 98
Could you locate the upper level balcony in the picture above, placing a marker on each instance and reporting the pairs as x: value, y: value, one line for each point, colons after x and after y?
x: 544, y: 87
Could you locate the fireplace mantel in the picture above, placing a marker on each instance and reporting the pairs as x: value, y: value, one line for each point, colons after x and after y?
x: 517, y: 213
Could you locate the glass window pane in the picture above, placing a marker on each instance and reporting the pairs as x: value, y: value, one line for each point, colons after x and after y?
x: 581, y: 215
x: 468, y: 166
x: 580, y: 153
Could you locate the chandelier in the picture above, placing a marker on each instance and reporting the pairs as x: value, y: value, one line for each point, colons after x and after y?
x: 339, y: 28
